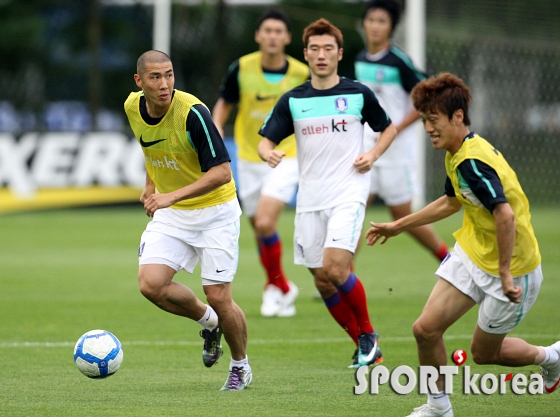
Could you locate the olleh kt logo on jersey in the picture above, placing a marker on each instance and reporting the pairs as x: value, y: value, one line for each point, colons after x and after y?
x: 336, y: 126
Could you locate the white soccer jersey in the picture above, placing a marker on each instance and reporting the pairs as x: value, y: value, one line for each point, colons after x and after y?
x: 391, y: 75
x: 328, y: 125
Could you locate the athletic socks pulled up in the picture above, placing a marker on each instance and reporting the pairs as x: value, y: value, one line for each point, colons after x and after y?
x: 353, y: 294
x: 270, y: 251
x: 343, y: 316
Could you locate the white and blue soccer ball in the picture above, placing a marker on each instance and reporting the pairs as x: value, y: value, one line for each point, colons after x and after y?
x: 98, y: 354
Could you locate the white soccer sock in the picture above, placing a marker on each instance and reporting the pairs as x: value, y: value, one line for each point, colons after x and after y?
x: 243, y: 363
x: 439, y: 400
x: 550, y: 357
x: 209, y: 320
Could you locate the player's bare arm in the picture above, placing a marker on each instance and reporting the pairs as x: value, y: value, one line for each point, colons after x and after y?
x: 364, y: 161
x: 505, y: 235
x: 220, y: 114
x: 215, y: 177
x: 410, y: 118
x: 439, y: 209
x: 149, y: 189
x: 269, y: 154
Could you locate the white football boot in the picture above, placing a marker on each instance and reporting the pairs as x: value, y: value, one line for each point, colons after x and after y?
x: 288, y: 308
x: 551, y: 373
x: 272, y: 301
x: 427, y: 410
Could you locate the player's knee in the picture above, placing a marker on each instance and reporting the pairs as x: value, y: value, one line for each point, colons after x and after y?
x: 336, y: 273
x: 418, y: 331
x: 218, y: 300
x: 324, y: 286
x: 150, y: 288
x: 423, y: 333
x: 480, y: 359
x: 322, y: 283
x: 214, y: 300
x: 481, y: 356
x: 264, y: 226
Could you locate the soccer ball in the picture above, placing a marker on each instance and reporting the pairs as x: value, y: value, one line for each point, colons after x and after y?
x: 98, y: 354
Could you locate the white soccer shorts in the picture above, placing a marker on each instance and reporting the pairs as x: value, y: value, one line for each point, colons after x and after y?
x: 258, y: 178
x: 496, y: 313
x: 216, y: 249
x: 396, y: 185
x: 336, y: 227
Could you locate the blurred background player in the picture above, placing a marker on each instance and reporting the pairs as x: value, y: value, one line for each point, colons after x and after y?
x: 195, y: 212
x: 496, y: 262
x: 255, y: 82
x: 327, y: 115
x: 390, y: 73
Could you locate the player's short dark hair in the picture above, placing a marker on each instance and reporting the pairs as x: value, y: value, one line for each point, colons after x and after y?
x: 393, y: 7
x: 444, y: 92
x: 150, y: 57
x: 275, y: 14
x: 322, y: 27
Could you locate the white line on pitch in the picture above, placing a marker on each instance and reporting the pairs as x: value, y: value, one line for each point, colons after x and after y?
x: 388, y: 339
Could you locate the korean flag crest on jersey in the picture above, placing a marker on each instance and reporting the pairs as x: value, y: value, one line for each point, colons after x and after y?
x: 341, y: 104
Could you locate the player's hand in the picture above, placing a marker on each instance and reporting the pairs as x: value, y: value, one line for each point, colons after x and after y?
x: 513, y: 292
x: 364, y: 162
x: 147, y: 192
x: 275, y: 157
x: 381, y: 231
x: 157, y: 201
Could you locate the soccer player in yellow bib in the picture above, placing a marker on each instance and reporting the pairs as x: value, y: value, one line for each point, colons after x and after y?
x: 255, y: 82
x: 496, y: 262
x: 190, y: 193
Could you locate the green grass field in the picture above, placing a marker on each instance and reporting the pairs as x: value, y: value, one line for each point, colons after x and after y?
x: 65, y: 272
